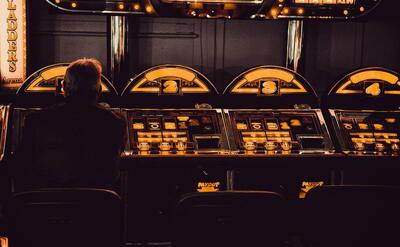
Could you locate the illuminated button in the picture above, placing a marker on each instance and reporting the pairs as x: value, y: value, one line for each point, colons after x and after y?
x: 348, y: 126
x: 359, y: 146
x: 390, y: 120
x: 169, y: 125
x: 363, y: 126
x: 345, y: 12
x: 378, y: 127
x: 183, y: 118
x: 249, y: 146
x: 143, y: 146
x: 182, y: 125
x: 74, y: 4
x: 181, y: 146
x: 138, y: 126
x: 286, y: 146
x: 272, y: 126
x: 362, y: 9
x: 256, y: 125
x: 295, y: 123
x: 379, y: 147
x: 395, y: 147
x: 270, y: 146
x: 241, y: 126
x: 165, y: 146
x: 58, y: 1
x: 285, y: 126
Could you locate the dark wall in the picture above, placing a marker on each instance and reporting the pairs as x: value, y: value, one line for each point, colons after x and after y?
x: 220, y: 49
x: 55, y: 37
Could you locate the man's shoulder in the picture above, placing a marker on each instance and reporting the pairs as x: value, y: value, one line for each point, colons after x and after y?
x: 113, y: 115
x: 44, y: 114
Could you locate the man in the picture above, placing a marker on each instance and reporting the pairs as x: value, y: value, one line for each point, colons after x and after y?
x: 75, y: 144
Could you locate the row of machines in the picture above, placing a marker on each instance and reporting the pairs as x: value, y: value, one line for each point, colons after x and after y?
x: 265, y: 110
x: 265, y: 131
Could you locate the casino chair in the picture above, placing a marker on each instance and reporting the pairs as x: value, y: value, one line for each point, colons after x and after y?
x: 231, y: 218
x: 352, y: 215
x: 65, y: 217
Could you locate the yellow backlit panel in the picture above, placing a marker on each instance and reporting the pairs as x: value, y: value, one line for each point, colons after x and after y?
x: 184, y: 74
x: 269, y: 73
x: 167, y: 72
x: 45, y: 76
x: 374, y: 75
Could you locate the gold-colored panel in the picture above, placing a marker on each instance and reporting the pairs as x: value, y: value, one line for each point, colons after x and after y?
x: 269, y: 73
x: 374, y: 74
x: 261, y: 73
x: 138, y: 88
x: 300, y: 88
x: 202, y: 88
x: 392, y: 92
x: 45, y: 76
x: 342, y: 89
x: 184, y: 74
x: 165, y: 72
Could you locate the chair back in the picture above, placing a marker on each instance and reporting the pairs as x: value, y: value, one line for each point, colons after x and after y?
x: 64, y: 217
x: 231, y: 218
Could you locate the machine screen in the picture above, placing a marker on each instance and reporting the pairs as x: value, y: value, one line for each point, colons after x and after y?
x: 277, y: 131
x: 174, y: 131
x: 369, y: 131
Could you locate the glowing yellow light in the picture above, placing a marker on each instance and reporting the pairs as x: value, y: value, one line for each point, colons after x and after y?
x: 285, y: 11
x: 121, y: 6
x: 300, y: 11
x: 136, y: 6
x: 362, y: 9
x: 345, y: 12
x: 281, y: 1
x: 74, y: 5
x: 149, y: 9
x: 58, y: 1
x: 274, y: 12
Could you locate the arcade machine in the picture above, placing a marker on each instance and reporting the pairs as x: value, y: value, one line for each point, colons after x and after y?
x: 43, y: 89
x: 364, y: 109
x: 276, y: 125
x: 175, y: 139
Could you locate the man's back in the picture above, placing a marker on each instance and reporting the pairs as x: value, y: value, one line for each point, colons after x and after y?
x: 70, y: 145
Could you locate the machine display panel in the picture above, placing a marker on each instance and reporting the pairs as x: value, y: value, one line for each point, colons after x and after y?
x: 175, y: 131
x: 279, y: 131
x: 368, y: 132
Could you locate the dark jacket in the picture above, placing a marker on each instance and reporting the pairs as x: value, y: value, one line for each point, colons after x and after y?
x: 70, y: 145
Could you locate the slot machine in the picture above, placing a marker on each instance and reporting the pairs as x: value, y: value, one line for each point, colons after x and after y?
x: 364, y: 109
x: 275, y: 122
x: 175, y: 139
x: 43, y: 89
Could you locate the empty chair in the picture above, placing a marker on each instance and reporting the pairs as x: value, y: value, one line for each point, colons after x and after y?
x: 65, y: 217
x: 353, y: 216
x: 231, y: 218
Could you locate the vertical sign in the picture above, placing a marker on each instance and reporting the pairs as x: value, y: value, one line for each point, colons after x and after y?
x: 12, y: 42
